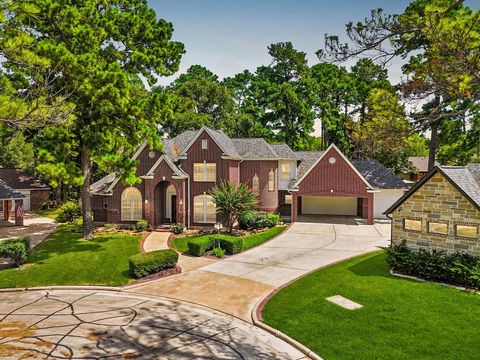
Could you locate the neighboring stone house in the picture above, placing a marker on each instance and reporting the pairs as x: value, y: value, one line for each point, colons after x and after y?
x: 441, y: 212
x: 176, y: 181
x: 36, y: 193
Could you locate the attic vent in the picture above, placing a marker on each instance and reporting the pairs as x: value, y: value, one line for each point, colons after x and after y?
x: 332, y: 160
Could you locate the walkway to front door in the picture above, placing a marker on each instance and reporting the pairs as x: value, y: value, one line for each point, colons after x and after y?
x: 234, y: 285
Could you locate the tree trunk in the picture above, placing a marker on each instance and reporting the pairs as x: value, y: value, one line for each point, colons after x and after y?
x: 86, y: 165
x: 433, y: 146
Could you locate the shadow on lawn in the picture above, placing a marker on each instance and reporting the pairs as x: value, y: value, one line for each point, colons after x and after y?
x: 371, y: 266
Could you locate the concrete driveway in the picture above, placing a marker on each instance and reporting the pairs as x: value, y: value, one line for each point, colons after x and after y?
x: 35, y: 226
x: 236, y: 284
x: 89, y: 324
x: 304, y: 247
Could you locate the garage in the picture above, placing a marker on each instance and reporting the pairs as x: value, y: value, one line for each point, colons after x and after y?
x: 384, y: 198
x: 328, y: 205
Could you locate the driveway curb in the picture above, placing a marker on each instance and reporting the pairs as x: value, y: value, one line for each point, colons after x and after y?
x: 300, y: 347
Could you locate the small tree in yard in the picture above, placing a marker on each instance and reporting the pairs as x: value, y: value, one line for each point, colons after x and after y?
x: 233, y: 201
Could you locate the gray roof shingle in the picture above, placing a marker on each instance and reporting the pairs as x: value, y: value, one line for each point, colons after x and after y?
x: 283, y: 151
x: 254, y: 148
x: 224, y: 142
x: 308, y: 159
x: 378, y: 175
x: 466, y: 178
x: 6, y: 192
x: 421, y: 162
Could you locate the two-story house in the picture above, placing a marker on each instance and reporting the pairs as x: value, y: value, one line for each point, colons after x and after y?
x: 176, y: 181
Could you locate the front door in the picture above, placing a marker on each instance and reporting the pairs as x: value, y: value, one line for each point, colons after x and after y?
x: 174, y: 208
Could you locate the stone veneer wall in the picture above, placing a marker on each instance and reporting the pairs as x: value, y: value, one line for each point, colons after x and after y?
x: 437, y: 200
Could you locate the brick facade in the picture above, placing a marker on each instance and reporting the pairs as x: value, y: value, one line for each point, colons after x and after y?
x: 38, y: 198
x: 437, y: 200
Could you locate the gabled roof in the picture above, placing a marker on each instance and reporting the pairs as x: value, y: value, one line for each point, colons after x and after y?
x: 378, y: 175
x: 421, y: 162
x: 308, y: 159
x: 176, y: 170
x: 312, y: 159
x: 284, y: 152
x: 21, y: 180
x: 466, y: 179
x: 254, y: 148
x: 222, y: 140
x: 7, y: 193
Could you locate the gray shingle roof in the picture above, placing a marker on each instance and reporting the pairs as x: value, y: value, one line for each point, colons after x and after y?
x: 6, y: 192
x: 421, y: 162
x: 224, y: 142
x: 283, y: 151
x: 466, y: 178
x: 254, y: 148
x: 101, y: 185
x: 378, y: 175
x: 308, y: 159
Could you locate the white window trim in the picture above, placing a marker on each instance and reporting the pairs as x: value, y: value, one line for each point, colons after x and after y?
x: 271, y: 182
x: 204, y: 144
x: 205, y: 172
x: 204, y: 200
x: 132, y: 214
x: 286, y: 175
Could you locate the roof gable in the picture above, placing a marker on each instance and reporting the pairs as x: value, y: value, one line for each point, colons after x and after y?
x: 7, y: 193
x: 176, y: 170
x: 222, y: 140
x: 330, y: 150
x: 460, y: 177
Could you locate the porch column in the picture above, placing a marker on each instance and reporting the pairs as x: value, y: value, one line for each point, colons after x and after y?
x: 294, y: 207
x: 370, y: 209
x: 149, y: 202
x: 19, y: 212
x: 7, y: 210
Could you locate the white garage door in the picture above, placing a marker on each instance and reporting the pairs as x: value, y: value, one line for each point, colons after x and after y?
x: 384, y: 199
x: 326, y: 205
x: 26, y: 200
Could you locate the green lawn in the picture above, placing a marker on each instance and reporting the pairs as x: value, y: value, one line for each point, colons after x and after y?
x: 66, y: 259
x: 401, y: 319
x: 180, y: 243
x: 50, y: 213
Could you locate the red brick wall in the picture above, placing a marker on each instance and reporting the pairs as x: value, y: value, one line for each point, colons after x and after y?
x: 268, y: 200
x: 339, y: 176
x: 38, y: 198
x: 225, y: 168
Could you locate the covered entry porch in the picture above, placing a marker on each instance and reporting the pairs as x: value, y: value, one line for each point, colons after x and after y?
x: 11, y: 206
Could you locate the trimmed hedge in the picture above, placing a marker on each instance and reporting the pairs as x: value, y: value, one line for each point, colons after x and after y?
x: 199, y: 245
x: 17, y: 250
x: 148, y: 263
x: 258, y: 220
x: 456, y: 269
x: 231, y: 245
x: 69, y: 212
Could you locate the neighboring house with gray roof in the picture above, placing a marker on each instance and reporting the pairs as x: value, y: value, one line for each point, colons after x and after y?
x: 420, y: 168
x: 441, y: 211
x: 176, y: 181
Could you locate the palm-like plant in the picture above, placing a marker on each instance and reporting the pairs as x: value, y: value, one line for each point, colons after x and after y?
x: 233, y: 201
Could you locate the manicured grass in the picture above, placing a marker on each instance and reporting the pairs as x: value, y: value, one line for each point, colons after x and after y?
x: 401, y: 319
x: 180, y: 244
x: 50, y: 213
x: 66, y: 259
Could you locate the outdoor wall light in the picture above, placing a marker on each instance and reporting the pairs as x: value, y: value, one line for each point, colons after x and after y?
x: 146, y: 201
x: 331, y: 190
x: 180, y: 202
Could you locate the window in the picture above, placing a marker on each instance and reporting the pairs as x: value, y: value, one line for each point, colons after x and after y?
x: 412, y: 225
x: 271, y: 181
x: 288, y: 199
x: 285, y: 172
x: 256, y: 184
x: 204, y: 210
x: 438, y: 228
x: 467, y: 231
x: 131, y: 204
x: 204, y: 144
x: 1, y: 206
x: 205, y: 172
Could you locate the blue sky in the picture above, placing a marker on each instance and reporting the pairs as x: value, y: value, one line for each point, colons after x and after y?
x: 229, y: 36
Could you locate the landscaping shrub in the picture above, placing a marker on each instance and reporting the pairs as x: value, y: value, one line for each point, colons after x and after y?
x: 218, y: 252
x: 258, y: 220
x: 177, y: 228
x: 17, y: 250
x: 199, y: 245
x: 148, y: 263
x: 231, y: 245
x: 69, y: 212
x: 126, y: 227
x: 142, y: 225
x: 456, y: 268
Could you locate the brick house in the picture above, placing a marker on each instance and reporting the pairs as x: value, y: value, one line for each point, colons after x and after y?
x: 176, y: 181
x: 441, y: 212
x: 36, y: 193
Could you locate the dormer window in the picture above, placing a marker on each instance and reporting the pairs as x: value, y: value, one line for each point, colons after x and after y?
x: 204, y: 144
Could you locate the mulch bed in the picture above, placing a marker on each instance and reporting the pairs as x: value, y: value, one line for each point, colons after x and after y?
x: 161, y: 274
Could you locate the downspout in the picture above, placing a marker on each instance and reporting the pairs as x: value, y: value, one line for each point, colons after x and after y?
x: 188, y: 201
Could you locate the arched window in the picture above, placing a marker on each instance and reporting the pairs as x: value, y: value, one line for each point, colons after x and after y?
x: 131, y: 204
x: 256, y: 184
x: 204, y: 210
x: 271, y: 180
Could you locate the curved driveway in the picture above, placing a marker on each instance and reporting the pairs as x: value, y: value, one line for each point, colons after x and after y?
x: 236, y: 284
x: 81, y: 324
